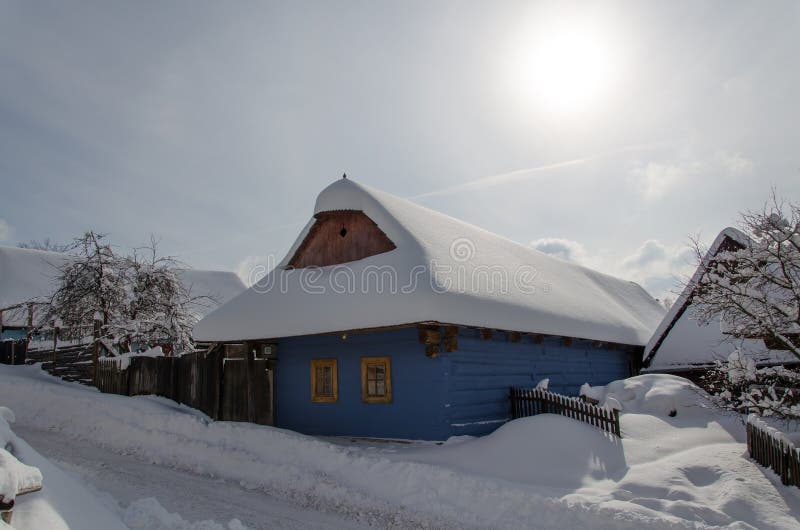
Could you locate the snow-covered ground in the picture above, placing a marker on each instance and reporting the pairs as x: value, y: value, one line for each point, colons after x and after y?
x: 148, y: 492
x: 686, y: 471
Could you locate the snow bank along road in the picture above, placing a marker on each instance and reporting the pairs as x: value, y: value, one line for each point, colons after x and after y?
x: 686, y: 471
x: 196, y: 498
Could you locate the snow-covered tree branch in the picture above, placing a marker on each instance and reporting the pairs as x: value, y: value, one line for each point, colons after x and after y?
x: 753, y: 286
x: 139, y: 298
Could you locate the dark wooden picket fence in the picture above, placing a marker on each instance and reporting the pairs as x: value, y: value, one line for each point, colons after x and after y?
x: 224, y: 389
x: 770, y: 448
x: 532, y: 401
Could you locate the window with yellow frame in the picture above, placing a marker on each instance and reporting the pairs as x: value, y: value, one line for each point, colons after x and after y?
x: 376, y: 380
x: 324, y: 381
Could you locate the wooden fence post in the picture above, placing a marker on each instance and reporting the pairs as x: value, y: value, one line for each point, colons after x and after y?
x: 96, y: 347
x: 55, y: 344
x: 250, y: 373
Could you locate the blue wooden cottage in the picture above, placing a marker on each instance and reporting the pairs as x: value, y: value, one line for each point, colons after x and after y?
x: 388, y: 319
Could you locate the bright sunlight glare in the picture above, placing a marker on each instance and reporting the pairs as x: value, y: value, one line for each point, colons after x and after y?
x: 567, y: 68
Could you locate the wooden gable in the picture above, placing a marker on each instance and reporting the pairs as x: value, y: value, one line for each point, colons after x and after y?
x: 340, y: 237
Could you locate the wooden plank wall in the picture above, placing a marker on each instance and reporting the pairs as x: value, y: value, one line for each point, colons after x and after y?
x: 201, y: 381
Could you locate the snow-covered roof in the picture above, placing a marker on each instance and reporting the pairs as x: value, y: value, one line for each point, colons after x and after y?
x: 31, y: 275
x: 27, y: 274
x: 681, y: 343
x: 217, y: 286
x: 440, y: 271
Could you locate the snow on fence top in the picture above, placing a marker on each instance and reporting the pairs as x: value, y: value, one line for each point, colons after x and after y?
x: 32, y: 275
x: 442, y: 269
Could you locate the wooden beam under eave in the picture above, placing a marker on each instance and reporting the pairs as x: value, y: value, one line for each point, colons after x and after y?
x: 514, y: 336
x: 450, y: 338
x: 566, y: 341
x: 486, y: 333
x: 431, y: 337
x: 431, y: 351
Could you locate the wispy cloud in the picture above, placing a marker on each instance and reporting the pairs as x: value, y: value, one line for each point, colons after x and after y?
x: 501, y: 178
x: 654, y: 180
x: 528, y: 173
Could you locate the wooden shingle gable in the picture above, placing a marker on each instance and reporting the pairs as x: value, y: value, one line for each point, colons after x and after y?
x: 340, y: 237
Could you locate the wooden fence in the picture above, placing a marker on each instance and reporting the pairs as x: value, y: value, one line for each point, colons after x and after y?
x: 770, y: 448
x: 71, y: 363
x: 13, y: 351
x: 224, y: 389
x: 532, y: 401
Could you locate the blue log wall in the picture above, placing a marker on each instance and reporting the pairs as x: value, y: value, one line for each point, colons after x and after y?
x: 418, y: 393
x: 479, y: 374
x: 463, y: 392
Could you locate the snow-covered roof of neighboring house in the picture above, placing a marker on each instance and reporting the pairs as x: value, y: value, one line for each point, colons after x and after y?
x: 31, y: 275
x: 681, y: 343
x: 217, y: 286
x: 27, y: 274
x: 440, y: 269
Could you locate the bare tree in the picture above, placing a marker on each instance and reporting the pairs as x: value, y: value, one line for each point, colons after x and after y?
x: 139, y: 298
x: 90, y: 285
x: 159, y: 309
x: 753, y: 288
x: 44, y: 244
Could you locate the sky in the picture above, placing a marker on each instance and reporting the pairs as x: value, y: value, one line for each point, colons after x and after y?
x: 605, y: 133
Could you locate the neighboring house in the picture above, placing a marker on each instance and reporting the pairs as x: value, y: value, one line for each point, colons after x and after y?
x: 28, y: 278
x: 682, y: 346
x: 388, y: 319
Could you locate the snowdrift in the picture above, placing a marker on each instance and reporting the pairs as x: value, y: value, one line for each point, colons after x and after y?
x: 63, y: 503
x: 546, y: 450
x: 687, y: 470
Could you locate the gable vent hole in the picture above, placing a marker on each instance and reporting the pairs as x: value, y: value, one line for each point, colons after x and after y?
x: 343, y: 232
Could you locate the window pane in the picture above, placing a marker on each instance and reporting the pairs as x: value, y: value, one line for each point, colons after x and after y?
x: 371, y: 388
x: 326, y: 387
x: 380, y: 372
x: 323, y: 384
x: 381, y: 388
x: 320, y: 380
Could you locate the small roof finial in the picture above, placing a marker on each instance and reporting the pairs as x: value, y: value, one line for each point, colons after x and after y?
x: 344, y: 175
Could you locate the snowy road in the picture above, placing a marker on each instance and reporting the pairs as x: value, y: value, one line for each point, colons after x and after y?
x: 194, y: 497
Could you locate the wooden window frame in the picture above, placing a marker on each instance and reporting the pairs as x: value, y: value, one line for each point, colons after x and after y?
x: 321, y: 363
x: 387, y: 362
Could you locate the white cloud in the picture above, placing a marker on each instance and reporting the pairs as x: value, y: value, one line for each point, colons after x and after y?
x: 253, y: 268
x: 565, y: 249
x: 658, y: 179
x: 655, y: 180
x: 658, y: 267
x: 650, y: 251
x: 733, y: 164
x: 5, y: 230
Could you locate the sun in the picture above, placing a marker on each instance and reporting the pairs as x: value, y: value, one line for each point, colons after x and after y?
x: 565, y: 67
